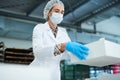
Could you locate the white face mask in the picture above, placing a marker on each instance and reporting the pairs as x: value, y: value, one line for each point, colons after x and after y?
x: 56, y: 18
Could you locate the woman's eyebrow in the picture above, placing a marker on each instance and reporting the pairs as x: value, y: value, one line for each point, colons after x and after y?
x: 56, y: 9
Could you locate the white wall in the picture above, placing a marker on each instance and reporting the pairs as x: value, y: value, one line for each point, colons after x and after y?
x: 83, y: 37
x: 2, y: 23
x: 15, y: 43
x: 109, y: 28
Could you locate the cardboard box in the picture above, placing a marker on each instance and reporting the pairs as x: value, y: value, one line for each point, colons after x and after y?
x: 102, y: 53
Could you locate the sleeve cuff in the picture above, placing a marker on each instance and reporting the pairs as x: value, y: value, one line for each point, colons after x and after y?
x: 57, y: 50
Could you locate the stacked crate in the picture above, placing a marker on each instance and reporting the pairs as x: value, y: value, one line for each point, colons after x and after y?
x: 2, y: 52
x: 74, y: 72
x: 18, y: 56
x: 116, y: 68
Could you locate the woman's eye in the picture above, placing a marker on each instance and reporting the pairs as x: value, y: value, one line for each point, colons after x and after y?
x: 62, y: 12
x: 57, y: 11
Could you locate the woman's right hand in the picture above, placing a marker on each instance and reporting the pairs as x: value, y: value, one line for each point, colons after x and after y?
x: 77, y: 49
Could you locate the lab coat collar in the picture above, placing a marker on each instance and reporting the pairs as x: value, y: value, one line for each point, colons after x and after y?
x: 50, y: 32
x: 48, y: 27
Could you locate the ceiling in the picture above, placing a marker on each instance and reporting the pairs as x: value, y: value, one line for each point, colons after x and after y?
x: 76, y: 12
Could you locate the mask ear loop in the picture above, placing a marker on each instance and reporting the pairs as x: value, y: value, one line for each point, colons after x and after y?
x: 49, y: 12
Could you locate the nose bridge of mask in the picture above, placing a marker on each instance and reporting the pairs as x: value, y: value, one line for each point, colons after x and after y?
x: 57, y: 14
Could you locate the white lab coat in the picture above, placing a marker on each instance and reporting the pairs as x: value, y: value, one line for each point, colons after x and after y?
x: 43, y: 47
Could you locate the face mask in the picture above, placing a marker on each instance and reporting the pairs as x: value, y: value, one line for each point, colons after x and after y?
x: 56, y: 18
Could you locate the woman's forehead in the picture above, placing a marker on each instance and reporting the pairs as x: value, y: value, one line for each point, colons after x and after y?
x: 58, y: 6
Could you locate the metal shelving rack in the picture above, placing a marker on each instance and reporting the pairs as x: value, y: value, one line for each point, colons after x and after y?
x: 18, y: 56
x: 2, y: 49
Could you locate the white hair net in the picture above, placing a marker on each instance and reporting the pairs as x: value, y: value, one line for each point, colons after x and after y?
x: 49, y: 6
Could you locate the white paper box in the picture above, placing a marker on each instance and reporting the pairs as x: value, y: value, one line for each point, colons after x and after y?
x: 102, y: 53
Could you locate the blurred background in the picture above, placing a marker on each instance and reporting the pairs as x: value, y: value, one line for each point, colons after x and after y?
x: 84, y: 20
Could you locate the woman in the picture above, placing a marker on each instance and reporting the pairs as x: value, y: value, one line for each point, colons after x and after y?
x: 50, y: 42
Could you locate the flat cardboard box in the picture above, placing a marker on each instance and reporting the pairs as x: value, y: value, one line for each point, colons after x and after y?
x: 102, y: 53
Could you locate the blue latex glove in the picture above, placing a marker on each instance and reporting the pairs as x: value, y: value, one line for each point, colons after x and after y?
x: 77, y: 49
